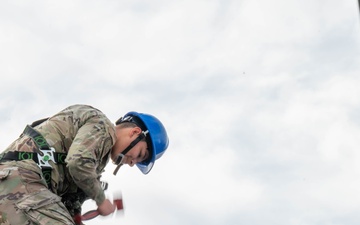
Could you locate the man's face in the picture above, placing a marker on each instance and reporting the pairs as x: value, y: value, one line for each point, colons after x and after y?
x: 137, y: 154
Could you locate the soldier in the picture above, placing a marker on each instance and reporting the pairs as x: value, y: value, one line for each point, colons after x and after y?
x: 56, y: 163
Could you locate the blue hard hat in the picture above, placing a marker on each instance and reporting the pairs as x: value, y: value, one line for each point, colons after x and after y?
x: 156, y: 138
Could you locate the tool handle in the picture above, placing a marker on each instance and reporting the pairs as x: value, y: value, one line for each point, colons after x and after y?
x: 90, y: 215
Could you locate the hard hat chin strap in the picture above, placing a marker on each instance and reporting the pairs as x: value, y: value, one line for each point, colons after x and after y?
x: 120, y: 158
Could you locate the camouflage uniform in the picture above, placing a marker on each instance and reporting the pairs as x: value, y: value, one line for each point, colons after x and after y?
x: 87, y: 136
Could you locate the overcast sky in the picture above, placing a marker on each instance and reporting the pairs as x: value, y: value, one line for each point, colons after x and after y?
x: 260, y: 100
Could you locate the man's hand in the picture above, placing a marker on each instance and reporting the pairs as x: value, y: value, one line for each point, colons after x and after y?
x: 106, y: 208
x: 103, y: 209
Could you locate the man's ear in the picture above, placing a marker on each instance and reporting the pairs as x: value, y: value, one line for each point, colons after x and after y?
x: 135, y: 131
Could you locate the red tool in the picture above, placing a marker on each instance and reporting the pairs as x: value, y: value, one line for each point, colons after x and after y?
x: 94, y: 213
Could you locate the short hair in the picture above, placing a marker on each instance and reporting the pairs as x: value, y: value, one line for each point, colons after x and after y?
x: 127, y: 124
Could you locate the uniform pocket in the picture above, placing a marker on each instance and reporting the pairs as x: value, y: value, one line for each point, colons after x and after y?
x: 32, y: 180
x: 44, y: 207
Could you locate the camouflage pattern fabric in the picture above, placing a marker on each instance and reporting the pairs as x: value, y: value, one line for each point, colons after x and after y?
x: 87, y: 136
x: 25, y: 199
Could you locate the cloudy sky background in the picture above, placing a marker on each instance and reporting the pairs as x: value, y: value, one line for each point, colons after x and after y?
x: 260, y: 100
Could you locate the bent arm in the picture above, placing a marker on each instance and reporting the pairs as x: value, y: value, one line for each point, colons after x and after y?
x: 84, y: 157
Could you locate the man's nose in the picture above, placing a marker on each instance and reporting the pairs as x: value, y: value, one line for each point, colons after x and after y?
x: 132, y: 163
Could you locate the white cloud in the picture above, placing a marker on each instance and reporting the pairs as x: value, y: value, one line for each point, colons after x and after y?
x: 259, y: 99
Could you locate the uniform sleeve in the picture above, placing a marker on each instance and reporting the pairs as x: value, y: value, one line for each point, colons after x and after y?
x: 84, y: 157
